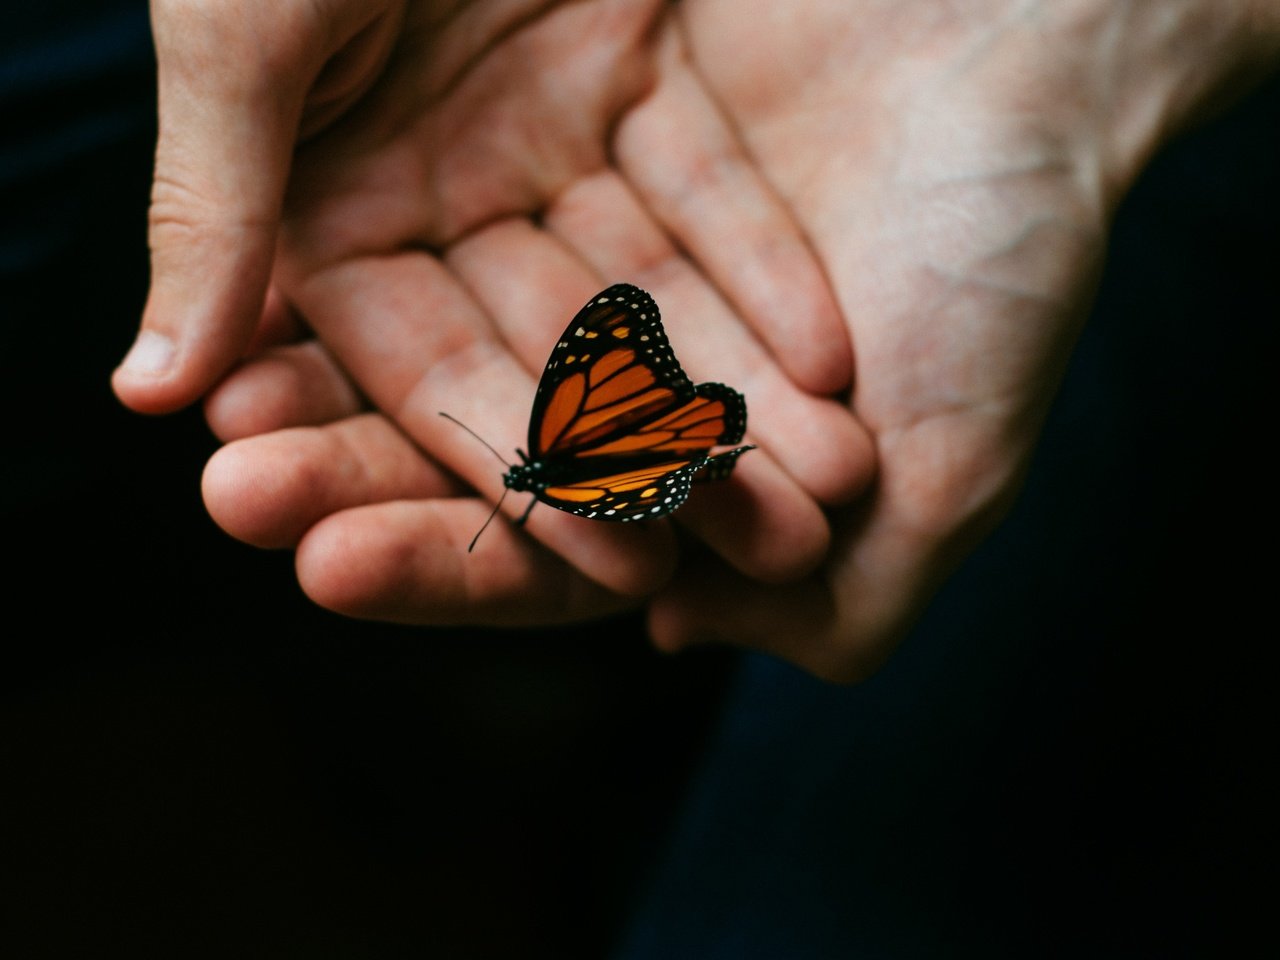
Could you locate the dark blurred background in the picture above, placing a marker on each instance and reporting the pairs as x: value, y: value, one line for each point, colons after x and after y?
x: 1069, y: 756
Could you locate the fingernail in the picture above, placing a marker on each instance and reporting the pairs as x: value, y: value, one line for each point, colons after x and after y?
x: 151, y: 354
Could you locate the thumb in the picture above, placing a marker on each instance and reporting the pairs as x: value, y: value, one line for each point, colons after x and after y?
x: 811, y: 623
x: 232, y: 82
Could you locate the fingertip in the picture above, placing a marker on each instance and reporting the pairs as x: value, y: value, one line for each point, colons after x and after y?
x: 762, y: 524
x: 793, y: 307
x: 826, y: 368
x: 791, y: 549
x: 152, y: 355
x: 164, y: 371
x: 833, y: 455
x: 798, y: 622
x: 149, y: 378
x: 220, y: 486
x: 211, y: 259
x: 351, y: 564
x: 666, y: 629
x: 235, y: 497
x: 261, y: 490
x: 236, y: 409
x: 290, y: 386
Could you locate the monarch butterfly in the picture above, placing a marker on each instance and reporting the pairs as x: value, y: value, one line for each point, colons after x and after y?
x: 618, y: 431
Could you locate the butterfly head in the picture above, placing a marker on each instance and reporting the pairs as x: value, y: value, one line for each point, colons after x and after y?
x: 523, y: 476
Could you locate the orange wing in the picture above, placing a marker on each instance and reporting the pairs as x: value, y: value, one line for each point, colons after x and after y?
x: 643, y: 493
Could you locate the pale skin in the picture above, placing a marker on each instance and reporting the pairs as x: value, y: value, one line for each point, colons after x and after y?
x: 881, y: 221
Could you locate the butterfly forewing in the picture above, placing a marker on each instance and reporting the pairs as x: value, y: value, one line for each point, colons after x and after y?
x: 611, y: 370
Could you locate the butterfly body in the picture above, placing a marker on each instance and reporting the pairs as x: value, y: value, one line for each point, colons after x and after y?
x: 618, y: 431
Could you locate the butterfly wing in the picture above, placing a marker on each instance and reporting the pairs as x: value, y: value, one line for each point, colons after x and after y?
x: 618, y: 431
x: 611, y: 370
x: 641, y: 493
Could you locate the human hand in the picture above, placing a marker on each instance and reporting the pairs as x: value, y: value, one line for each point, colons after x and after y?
x: 460, y: 144
x: 240, y: 85
x: 956, y: 168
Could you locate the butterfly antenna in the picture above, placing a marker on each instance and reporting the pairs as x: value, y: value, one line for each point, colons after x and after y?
x: 496, y: 508
x: 506, y: 490
x: 478, y: 437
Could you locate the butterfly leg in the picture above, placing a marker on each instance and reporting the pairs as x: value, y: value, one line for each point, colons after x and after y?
x: 533, y: 502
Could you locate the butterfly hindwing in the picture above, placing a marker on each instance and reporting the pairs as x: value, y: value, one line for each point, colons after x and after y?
x: 721, y: 465
x: 644, y: 492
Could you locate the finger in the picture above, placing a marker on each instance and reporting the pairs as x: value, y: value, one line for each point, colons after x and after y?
x: 830, y: 628
x: 278, y: 325
x: 291, y: 386
x: 269, y: 490
x: 233, y: 80
x: 407, y: 562
x: 690, y: 170
x: 816, y: 440
x: 889, y: 555
x: 760, y: 521
x: 228, y: 120
x: 418, y: 344
x: 710, y: 603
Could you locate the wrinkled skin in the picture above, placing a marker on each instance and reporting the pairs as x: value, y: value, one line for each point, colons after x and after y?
x: 882, y: 222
